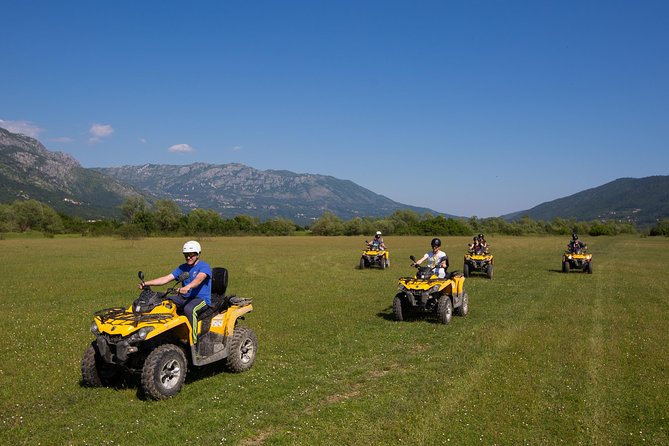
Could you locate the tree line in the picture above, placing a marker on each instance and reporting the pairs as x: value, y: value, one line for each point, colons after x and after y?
x: 165, y: 218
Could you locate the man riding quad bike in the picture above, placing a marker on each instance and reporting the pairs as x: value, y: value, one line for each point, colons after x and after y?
x: 433, y: 290
x: 479, y: 260
x: 576, y: 257
x: 151, y: 339
x: 375, y: 254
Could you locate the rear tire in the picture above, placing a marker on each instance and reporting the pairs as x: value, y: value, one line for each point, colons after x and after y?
x: 164, y: 372
x: 243, y: 350
x: 463, y: 309
x: 445, y: 310
x: 465, y: 269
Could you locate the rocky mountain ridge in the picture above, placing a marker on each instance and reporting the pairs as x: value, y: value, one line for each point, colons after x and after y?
x: 234, y: 188
x: 29, y: 171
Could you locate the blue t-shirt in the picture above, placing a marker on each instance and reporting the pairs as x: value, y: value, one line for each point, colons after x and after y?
x: 203, y: 291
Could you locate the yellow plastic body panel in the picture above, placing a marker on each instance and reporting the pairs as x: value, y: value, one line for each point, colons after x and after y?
x: 453, y: 285
x: 224, y: 323
x: 479, y: 257
x: 124, y: 326
x: 572, y: 256
x: 375, y: 252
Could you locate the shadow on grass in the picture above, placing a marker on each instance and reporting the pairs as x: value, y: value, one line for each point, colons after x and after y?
x: 412, y: 317
x: 127, y: 380
x: 574, y: 270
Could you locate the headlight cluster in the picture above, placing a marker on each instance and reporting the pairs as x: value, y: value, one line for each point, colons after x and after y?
x: 141, y: 334
x: 434, y: 289
x: 94, y: 328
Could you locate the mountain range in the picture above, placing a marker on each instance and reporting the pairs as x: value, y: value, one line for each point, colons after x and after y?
x: 642, y: 201
x: 29, y: 170
x: 233, y: 189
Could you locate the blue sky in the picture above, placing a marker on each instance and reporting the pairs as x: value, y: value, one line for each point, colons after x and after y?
x: 466, y: 107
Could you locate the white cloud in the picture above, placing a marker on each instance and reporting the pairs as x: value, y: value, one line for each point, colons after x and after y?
x: 181, y: 148
x: 142, y: 140
x: 236, y: 148
x: 24, y: 127
x: 99, y: 131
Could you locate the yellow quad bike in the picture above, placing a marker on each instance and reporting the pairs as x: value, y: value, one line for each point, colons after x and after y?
x: 374, y: 256
x: 478, y: 261
x: 427, y: 293
x: 151, y: 339
x: 577, y: 259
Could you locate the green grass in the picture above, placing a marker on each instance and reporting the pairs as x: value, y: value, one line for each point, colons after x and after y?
x: 542, y: 358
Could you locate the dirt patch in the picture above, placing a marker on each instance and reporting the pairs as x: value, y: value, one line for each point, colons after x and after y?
x: 257, y: 440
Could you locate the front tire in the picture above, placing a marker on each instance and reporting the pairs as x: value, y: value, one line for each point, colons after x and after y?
x: 465, y: 269
x: 565, y: 267
x: 445, y: 310
x: 398, y: 308
x: 490, y: 271
x: 164, y: 372
x: 95, y: 372
x: 362, y: 263
x: 243, y: 349
x: 588, y: 268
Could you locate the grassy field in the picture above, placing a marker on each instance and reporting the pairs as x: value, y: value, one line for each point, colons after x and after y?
x: 542, y: 358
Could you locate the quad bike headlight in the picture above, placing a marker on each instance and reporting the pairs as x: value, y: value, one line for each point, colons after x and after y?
x: 143, y: 332
x: 140, y: 334
x: 94, y: 329
x: 434, y: 289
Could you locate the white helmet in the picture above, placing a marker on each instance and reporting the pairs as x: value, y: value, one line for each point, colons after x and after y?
x: 378, y: 232
x: 192, y: 246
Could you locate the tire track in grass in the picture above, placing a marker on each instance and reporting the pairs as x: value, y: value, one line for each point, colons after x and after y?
x: 593, y: 392
x: 481, y: 372
x: 477, y: 373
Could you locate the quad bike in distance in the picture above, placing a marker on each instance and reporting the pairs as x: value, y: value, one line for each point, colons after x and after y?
x: 374, y: 255
x: 151, y: 339
x: 578, y: 259
x: 478, y: 261
x: 426, y: 293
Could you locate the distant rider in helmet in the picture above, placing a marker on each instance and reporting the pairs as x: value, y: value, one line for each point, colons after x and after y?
x: 437, y: 259
x: 474, y: 245
x: 194, y: 296
x: 377, y: 242
x: 482, y: 243
x: 575, y: 244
